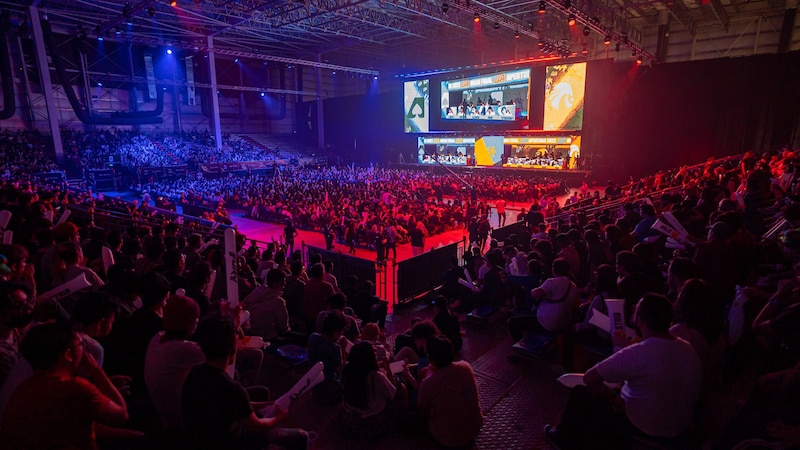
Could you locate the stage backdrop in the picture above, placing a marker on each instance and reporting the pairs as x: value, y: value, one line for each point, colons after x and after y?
x: 637, y: 119
x: 641, y: 119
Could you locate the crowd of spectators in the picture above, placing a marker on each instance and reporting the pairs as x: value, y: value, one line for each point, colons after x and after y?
x: 24, y: 153
x: 362, y: 202
x: 710, y: 355
x: 96, y: 149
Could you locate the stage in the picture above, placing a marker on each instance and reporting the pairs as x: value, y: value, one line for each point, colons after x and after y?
x: 573, y: 177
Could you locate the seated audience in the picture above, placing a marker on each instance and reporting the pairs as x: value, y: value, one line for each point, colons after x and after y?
x: 54, y: 408
x: 328, y: 347
x: 661, y: 378
x: 268, y: 315
x: 170, y: 357
x: 216, y: 408
x: 448, y: 397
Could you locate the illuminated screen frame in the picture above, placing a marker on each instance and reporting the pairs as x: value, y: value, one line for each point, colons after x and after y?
x: 498, y: 106
x: 542, y: 152
x: 564, y: 95
x: 446, y: 151
x: 416, y: 106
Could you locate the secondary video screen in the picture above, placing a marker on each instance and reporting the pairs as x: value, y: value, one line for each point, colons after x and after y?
x: 565, y: 90
x: 446, y: 151
x: 502, y: 96
x: 546, y: 152
x: 416, y: 99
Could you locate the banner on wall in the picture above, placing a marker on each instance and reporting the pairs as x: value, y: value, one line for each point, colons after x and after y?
x: 150, y: 73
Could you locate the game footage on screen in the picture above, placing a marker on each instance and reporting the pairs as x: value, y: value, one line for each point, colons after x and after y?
x: 501, y: 96
x: 447, y: 154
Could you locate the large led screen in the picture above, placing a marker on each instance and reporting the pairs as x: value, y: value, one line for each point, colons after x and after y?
x: 416, y: 105
x: 565, y: 89
x: 542, y: 152
x: 446, y: 151
x: 501, y: 96
x: 489, y: 151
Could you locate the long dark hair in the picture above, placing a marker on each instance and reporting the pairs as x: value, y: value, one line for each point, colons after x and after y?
x: 360, y: 364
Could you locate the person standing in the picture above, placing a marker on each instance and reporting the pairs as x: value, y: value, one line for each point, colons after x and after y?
x: 289, y: 233
x: 501, y: 212
x: 417, y: 240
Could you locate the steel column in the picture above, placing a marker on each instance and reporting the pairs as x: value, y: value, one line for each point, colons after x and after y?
x: 47, y: 85
x: 320, y: 113
x: 212, y: 71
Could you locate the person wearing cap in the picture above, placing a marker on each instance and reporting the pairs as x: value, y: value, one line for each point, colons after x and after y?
x: 170, y: 357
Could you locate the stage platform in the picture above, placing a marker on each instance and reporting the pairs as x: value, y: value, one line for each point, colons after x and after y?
x: 573, y: 177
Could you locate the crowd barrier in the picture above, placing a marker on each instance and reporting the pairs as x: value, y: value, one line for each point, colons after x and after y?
x: 196, y: 210
x: 346, y: 265
x: 518, y: 228
x: 422, y: 274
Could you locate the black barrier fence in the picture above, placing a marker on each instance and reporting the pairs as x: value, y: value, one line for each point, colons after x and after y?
x: 346, y: 265
x: 196, y: 210
x: 518, y: 228
x: 423, y: 273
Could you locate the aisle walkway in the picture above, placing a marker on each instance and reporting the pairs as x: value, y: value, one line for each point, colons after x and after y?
x: 517, y: 398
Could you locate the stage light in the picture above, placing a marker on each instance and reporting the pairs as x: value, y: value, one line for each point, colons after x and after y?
x: 236, y: 60
x: 586, y: 31
x: 151, y: 11
x: 496, y: 26
x: 375, y: 77
x: 173, y: 3
x: 542, y: 7
x: 100, y: 38
x: 476, y: 18
x: 540, y: 44
x: 99, y: 84
x: 639, y: 61
x: 117, y: 31
x: 571, y: 20
x: 263, y: 94
x: 516, y: 35
x: 585, y: 50
x: 169, y: 51
x: 445, y: 7
x: 607, y: 40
